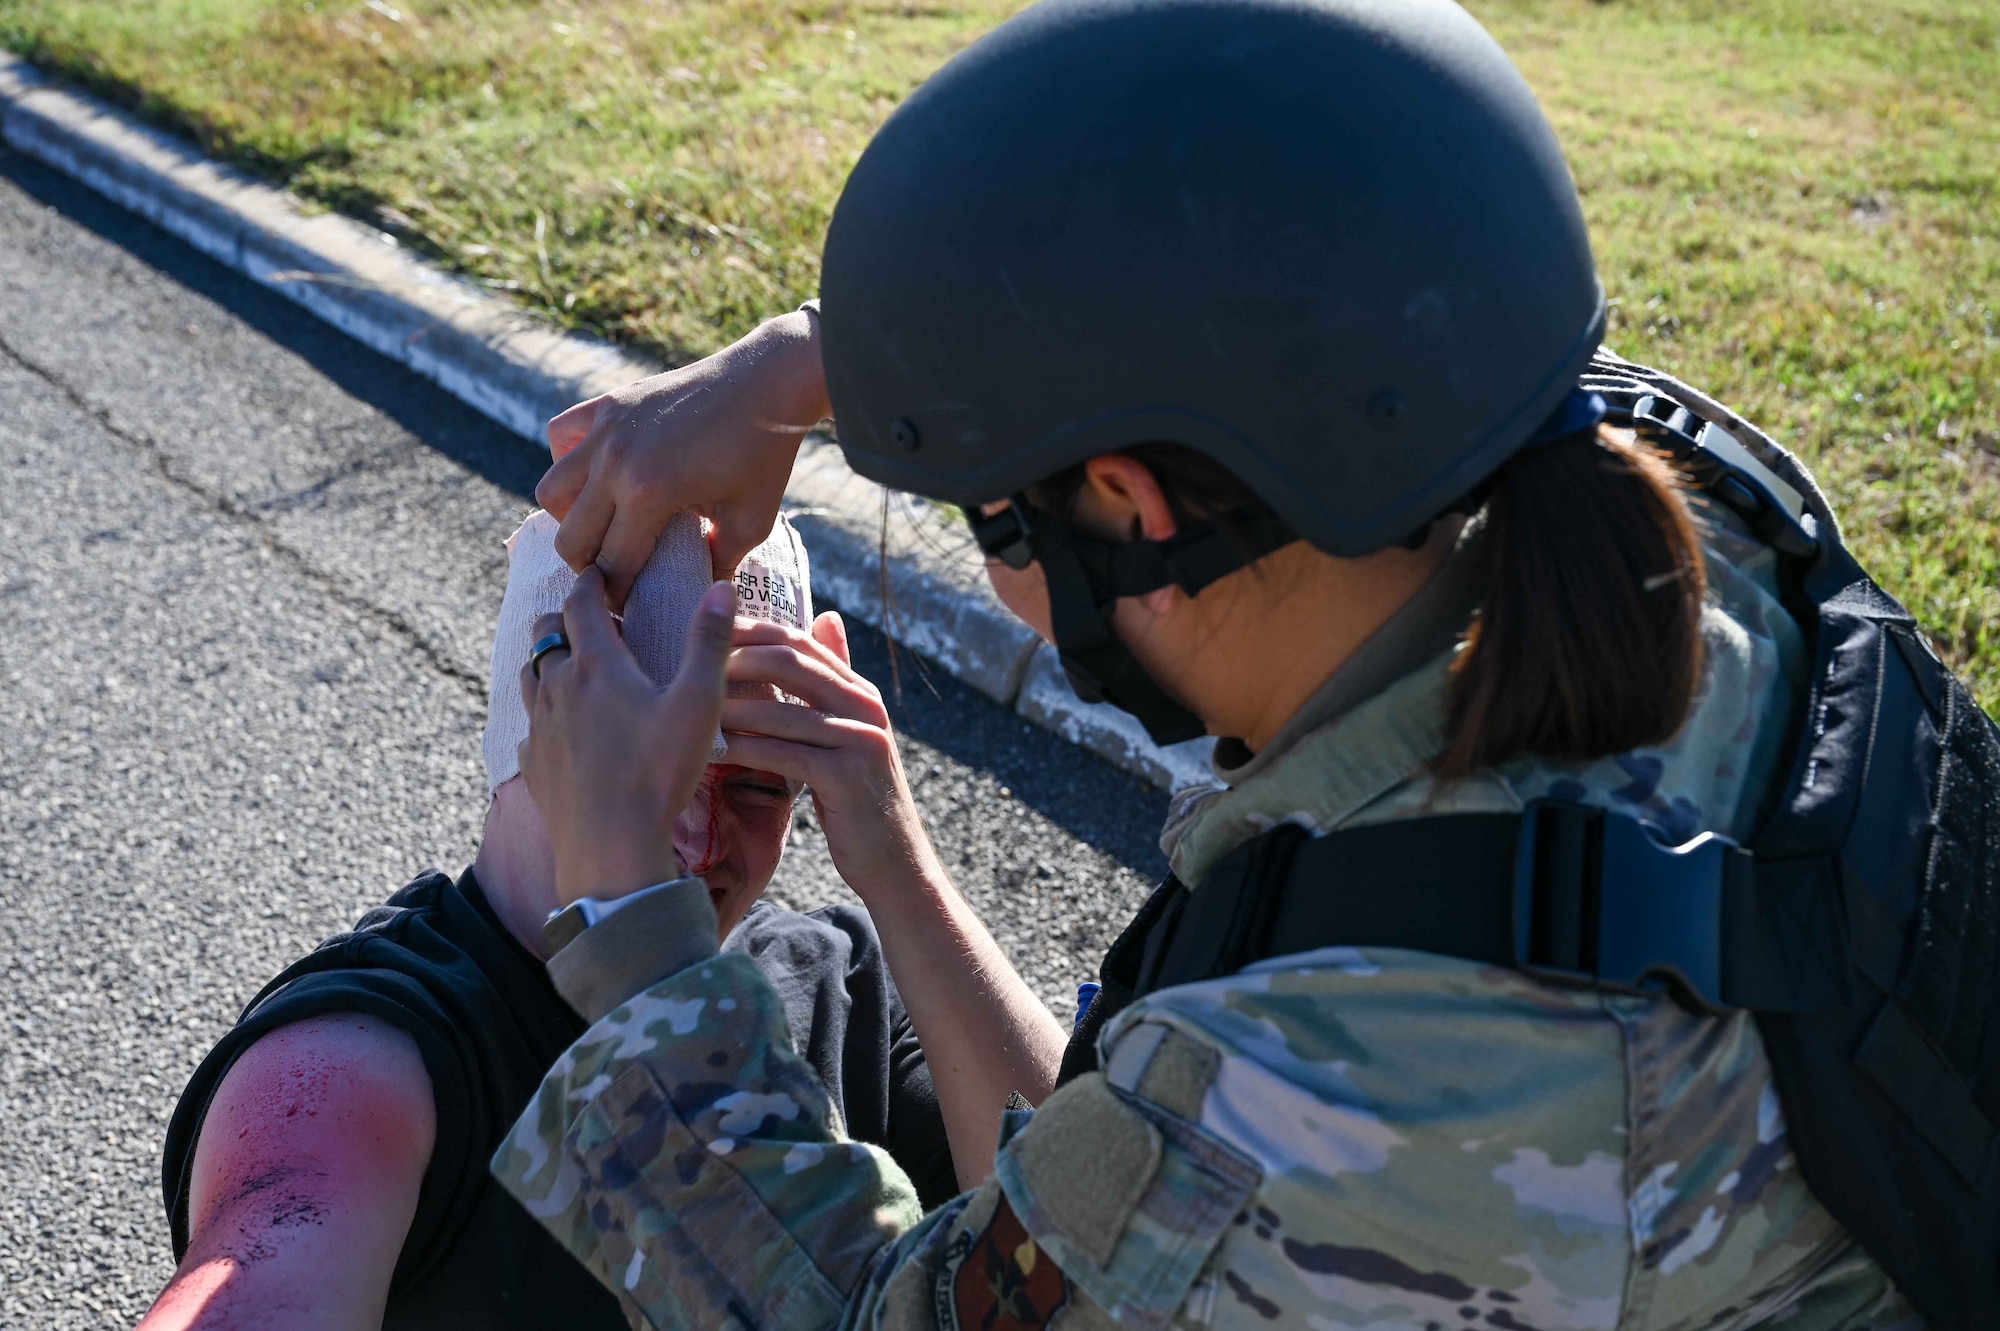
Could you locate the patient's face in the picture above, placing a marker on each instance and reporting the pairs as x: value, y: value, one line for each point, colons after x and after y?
x: 753, y: 816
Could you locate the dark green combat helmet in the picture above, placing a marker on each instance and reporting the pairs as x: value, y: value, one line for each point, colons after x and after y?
x: 1332, y: 244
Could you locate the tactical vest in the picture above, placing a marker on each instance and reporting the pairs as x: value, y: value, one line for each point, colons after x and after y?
x: 1860, y: 923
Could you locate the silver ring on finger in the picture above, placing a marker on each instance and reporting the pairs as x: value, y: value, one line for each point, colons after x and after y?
x: 545, y: 644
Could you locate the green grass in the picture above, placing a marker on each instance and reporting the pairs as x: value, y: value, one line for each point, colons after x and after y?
x: 1796, y: 203
x: 659, y: 171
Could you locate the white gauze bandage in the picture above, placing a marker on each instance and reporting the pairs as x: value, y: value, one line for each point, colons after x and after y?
x: 774, y: 582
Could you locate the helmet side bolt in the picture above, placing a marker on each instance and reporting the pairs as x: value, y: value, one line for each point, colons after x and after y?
x: 904, y: 432
x: 1387, y: 409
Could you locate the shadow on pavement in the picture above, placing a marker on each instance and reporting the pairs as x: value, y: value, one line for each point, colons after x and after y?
x: 438, y: 420
x: 1087, y: 797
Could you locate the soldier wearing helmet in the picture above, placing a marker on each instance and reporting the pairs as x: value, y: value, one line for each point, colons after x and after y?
x: 1260, y: 341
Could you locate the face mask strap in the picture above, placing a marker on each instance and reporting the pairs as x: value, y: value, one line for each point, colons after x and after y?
x: 1086, y: 578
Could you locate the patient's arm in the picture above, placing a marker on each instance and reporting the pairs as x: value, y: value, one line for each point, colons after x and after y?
x: 305, y: 1181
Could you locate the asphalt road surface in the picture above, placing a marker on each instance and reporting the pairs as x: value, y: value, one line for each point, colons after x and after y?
x: 248, y: 576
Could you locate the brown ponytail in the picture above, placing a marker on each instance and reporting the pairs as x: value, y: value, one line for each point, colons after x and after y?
x: 1588, y: 641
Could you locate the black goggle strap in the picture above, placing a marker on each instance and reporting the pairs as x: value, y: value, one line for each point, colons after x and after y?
x: 1086, y: 577
x: 1003, y: 535
x: 1191, y: 559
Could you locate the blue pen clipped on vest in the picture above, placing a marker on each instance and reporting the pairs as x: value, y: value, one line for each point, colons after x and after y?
x: 1086, y: 994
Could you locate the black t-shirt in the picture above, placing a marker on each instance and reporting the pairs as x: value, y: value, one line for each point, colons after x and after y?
x: 437, y: 963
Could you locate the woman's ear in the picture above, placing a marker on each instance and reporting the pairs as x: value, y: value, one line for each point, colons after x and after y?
x: 1121, y: 496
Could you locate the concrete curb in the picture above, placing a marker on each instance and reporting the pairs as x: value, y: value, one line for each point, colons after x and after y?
x: 887, y: 559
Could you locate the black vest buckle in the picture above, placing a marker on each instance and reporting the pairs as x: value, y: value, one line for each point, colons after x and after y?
x: 1598, y: 901
x: 1003, y: 535
x: 1731, y: 474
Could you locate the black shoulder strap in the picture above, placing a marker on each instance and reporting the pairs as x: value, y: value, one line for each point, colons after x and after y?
x: 1566, y: 891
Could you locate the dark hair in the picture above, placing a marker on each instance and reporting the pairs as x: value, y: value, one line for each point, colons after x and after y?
x: 1588, y: 640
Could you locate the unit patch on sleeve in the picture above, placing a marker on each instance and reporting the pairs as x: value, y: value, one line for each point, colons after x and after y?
x: 1002, y: 1281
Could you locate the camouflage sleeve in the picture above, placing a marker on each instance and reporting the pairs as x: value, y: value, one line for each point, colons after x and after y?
x: 686, y: 1156
x: 1346, y: 1139
x: 692, y: 1161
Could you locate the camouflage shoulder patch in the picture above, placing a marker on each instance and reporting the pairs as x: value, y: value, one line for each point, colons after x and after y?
x: 1128, y: 1199
x: 1088, y: 1158
x: 1164, y: 1067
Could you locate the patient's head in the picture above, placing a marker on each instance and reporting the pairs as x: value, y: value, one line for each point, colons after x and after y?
x: 734, y: 832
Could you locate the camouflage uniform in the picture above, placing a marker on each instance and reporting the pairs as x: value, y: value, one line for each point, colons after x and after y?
x: 1340, y: 1139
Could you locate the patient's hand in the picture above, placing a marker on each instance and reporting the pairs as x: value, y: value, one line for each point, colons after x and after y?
x: 611, y: 759
x: 983, y: 1032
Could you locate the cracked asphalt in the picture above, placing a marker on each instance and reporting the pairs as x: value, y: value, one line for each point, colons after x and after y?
x: 248, y: 574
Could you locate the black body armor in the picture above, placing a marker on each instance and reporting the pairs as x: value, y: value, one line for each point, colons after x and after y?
x: 1860, y: 924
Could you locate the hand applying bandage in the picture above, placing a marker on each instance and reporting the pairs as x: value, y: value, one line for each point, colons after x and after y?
x: 774, y: 585
x: 984, y: 1034
x: 611, y: 757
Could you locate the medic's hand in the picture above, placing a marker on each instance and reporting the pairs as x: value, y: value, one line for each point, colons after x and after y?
x: 610, y: 758
x: 718, y: 437
x: 839, y: 743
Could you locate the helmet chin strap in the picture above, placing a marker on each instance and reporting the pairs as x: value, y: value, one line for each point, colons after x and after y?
x: 1086, y: 578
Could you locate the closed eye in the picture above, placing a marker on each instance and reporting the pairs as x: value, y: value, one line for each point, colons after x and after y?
x: 760, y: 790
